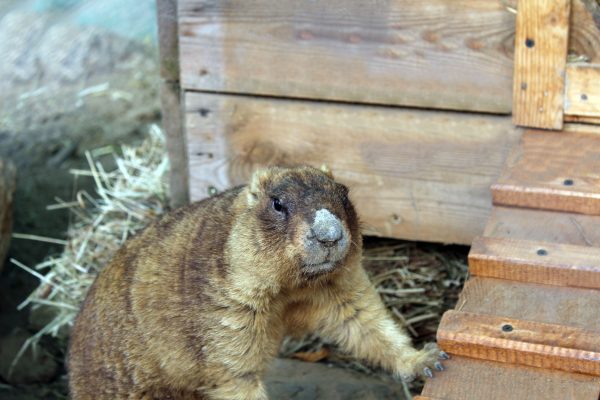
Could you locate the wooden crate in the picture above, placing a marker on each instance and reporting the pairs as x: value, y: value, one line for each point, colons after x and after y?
x: 407, y: 101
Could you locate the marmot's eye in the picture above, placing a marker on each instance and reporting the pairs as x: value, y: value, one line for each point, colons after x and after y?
x: 277, y: 206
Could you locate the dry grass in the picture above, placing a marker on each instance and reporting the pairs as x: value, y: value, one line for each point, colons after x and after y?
x: 416, y: 282
x: 127, y: 198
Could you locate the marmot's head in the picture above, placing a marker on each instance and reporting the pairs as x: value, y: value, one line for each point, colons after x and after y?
x: 305, y: 219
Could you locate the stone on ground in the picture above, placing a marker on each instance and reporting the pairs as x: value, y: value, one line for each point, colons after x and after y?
x: 298, y: 380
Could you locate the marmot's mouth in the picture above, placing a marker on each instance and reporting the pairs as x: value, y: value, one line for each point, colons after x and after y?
x: 319, y: 268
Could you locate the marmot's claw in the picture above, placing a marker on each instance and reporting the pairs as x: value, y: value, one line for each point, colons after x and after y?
x: 444, y: 355
x: 438, y: 365
x: 427, y: 372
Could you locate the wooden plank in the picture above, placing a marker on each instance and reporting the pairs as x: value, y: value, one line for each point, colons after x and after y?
x: 554, y: 171
x: 533, y: 261
x: 582, y: 93
x: 413, y: 174
x: 573, y: 307
x: 541, y: 42
x: 584, y: 34
x: 521, y: 342
x: 582, y: 119
x: 544, y: 226
x: 434, y: 54
x: 170, y: 96
x: 472, y: 379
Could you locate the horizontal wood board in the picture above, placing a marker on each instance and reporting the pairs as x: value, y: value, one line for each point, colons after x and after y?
x: 432, y: 54
x: 472, y: 379
x: 508, y: 340
x: 552, y: 170
x: 420, y: 175
x: 537, y: 262
x: 582, y: 91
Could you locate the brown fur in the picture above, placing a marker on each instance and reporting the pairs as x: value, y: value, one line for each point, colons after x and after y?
x: 197, y: 304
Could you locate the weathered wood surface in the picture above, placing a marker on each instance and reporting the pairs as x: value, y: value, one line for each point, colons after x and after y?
x: 541, y: 43
x: 544, y: 226
x: 170, y: 95
x: 537, y: 262
x: 418, y: 175
x: 584, y: 34
x: 472, y: 379
x: 514, y: 341
x: 572, y: 307
x: 582, y: 92
x: 433, y: 54
x: 554, y: 171
x: 7, y: 188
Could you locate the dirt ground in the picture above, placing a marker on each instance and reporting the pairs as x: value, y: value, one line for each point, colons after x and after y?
x: 102, y: 91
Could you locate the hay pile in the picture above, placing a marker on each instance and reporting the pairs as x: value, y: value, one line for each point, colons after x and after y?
x: 416, y: 282
x: 127, y: 198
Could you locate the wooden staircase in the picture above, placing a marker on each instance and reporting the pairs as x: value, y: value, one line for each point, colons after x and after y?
x: 527, y: 324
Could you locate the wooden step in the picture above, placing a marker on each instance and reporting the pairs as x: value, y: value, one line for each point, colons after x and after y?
x: 533, y: 261
x: 521, y: 342
x: 472, y: 379
x: 572, y: 307
x: 544, y: 226
x: 554, y: 171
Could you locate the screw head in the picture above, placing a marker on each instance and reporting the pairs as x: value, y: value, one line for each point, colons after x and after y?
x: 542, y: 252
x: 507, y: 328
x: 529, y: 42
x: 212, y: 191
x: 568, y: 182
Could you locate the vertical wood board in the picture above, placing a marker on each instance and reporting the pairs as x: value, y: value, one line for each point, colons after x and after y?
x: 413, y: 174
x: 573, y: 307
x: 170, y: 96
x: 473, y: 379
x: 552, y: 170
x: 544, y: 226
x: 431, y: 54
x: 541, y: 42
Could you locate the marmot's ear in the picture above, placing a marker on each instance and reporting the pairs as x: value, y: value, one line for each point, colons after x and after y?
x: 257, y: 184
x: 324, y: 168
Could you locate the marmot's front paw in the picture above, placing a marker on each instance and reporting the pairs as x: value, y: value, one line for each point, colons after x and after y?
x: 423, y: 362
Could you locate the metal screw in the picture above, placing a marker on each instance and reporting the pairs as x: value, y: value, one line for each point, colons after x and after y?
x: 529, y: 42
x: 212, y: 191
x: 507, y: 328
x: 568, y: 182
x: 584, y: 97
x: 542, y: 252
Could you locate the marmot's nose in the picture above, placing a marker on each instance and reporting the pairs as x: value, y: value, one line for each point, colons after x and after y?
x: 327, y: 228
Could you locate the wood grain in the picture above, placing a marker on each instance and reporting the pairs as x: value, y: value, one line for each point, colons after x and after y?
x: 554, y: 171
x: 527, y: 343
x: 433, y: 54
x: 472, y: 379
x: 573, y: 307
x: 584, y: 34
x: 538, y: 262
x: 544, y: 226
x: 413, y: 174
x: 582, y: 92
x: 170, y: 96
x: 541, y: 42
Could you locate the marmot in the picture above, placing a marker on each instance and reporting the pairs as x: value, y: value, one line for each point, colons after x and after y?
x: 197, y: 304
